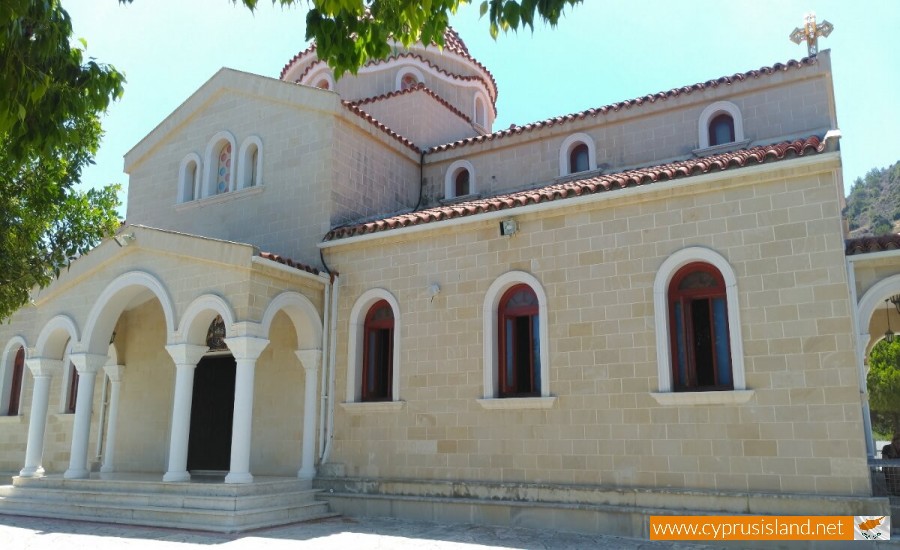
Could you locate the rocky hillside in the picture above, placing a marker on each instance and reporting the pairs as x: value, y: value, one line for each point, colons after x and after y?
x: 873, y: 206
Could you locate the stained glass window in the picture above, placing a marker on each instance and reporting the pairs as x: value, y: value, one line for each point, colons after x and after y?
x: 223, y: 171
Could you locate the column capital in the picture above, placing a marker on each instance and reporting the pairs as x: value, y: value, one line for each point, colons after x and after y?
x: 42, y: 366
x: 310, y: 358
x: 88, y: 362
x: 186, y: 354
x: 114, y: 372
x: 246, y: 347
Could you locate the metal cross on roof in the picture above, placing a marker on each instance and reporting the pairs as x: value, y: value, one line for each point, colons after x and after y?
x: 811, y: 32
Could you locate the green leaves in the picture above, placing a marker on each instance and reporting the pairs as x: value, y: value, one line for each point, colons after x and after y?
x: 883, y: 382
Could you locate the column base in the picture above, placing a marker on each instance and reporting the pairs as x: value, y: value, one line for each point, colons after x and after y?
x: 177, y: 476
x: 236, y: 477
x: 37, y: 471
x: 306, y: 474
x: 77, y: 474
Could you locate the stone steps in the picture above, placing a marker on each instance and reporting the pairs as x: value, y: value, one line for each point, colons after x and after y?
x: 191, y: 505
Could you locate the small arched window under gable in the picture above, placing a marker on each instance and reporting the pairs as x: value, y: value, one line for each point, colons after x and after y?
x: 720, y: 124
x: 408, y: 77
x: 577, y: 154
x: 459, y: 181
x: 250, y: 163
x: 189, y: 178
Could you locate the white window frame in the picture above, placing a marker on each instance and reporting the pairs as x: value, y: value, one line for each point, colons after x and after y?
x: 356, y: 343
x: 183, y: 184
x: 450, y: 179
x: 664, y: 275
x: 212, y: 155
x: 566, y: 149
x: 491, y: 360
x: 405, y: 70
x: 714, y: 110
x: 245, y: 162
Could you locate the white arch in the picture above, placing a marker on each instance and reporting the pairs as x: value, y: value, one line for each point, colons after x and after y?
x: 200, y: 313
x: 664, y: 275
x: 712, y: 111
x: 211, y: 159
x: 51, y: 342
x: 491, y: 335
x: 6, y: 372
x: 450, y: 178
x: 246, y: 165
x: 112, y: 302
x: 189, y: 182
x: 355, y: 342
x: 565, y: 149
x: 871, y: 301
x: 320, y: 75
x: 405, y: 70
x: 303, y: 315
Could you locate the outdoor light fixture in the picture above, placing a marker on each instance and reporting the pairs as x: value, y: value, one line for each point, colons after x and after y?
x: 889, y: 335
x: 508, y: 228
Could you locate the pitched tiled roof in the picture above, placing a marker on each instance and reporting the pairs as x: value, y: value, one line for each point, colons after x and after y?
x: 375, y: 122
x: 418, y: 87
x: 288, y: 262
x: 866, y: 245
x: 589, y: 186
x: 630, y: 103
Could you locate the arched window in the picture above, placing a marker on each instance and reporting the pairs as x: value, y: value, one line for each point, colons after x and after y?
x: 721, y: 130
x: 15, y: 381
x: 250, y: 165
x: 323, y: 84
x: 519, y: 361
x: 577, y: 154
x: 479, y: 111
x: 461, y: 183
x: 408, y: 81
x: 698, y: 318
x: 223, y: 169
x: 377, y: 369
x: 578, y: 159
x: 720, y: 124
x: 459, y: 180
x: 189, y: 178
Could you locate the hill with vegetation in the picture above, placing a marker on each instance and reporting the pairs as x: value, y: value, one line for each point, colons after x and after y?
x: 873, y: 206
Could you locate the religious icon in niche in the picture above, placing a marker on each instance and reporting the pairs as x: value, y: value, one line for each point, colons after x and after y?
x: 215, y: 336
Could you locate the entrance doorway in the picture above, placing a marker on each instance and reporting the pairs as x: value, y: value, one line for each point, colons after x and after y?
x: 212, y: 410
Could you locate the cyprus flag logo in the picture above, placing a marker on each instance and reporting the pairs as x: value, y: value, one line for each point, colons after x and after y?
x: 872, y: 528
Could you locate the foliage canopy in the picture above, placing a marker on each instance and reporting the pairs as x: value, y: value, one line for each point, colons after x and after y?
x: 883, y: 382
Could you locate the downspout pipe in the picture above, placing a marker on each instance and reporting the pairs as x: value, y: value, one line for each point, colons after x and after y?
x: 335, y: 290
x: 326, y: 300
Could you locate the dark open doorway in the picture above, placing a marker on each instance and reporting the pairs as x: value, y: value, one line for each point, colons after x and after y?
x: 212, y: 411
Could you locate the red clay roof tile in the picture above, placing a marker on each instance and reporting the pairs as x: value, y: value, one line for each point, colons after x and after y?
x: 417, y: 88
x: 288, y: 262
x: 587, y: 186
x: 867, y: 245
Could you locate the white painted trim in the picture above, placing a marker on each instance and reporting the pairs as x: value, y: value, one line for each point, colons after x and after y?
x: 713, y: 110
x: 664, y: 276
x: 405, y: 70
x: 684, y: 185
x: 870, y: 302
x: 245, y: 165
x: 872, y: 256
x: 490, y: 362
x: 373, y: 407
x: 200, y: 313
x: 303, y: 315
x: 213, y: 147
x: 219, y: 199
x: 565, y: 149
x: 102, y: 320
x: 48, y: 337
x: 6, y: 373
x: 183, y: 184
x: 319, y: 75
x: 355, y: 342
x: 450, y: 178
x: 677, y: 399
x: 517, y: 403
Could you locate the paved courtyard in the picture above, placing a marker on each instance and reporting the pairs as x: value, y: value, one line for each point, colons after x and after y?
x: 21, y: 533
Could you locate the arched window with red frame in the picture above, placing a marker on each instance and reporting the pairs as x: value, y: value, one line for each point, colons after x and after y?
x: 15, y: 386
x: 698, y: 316
x: 378, y: 353
x: 519, y: 360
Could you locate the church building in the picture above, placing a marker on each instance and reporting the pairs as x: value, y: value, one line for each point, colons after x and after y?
x: 359, y: 286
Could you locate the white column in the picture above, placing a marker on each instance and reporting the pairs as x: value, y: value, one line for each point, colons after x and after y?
x: 87, y: 365
x: 246, y: 350
x: 114, y: 372
x: 42, y: 370
x: 311, y: 360
x: 186, y: 357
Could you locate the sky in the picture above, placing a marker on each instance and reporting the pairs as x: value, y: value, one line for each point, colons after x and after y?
x: 602, y: 51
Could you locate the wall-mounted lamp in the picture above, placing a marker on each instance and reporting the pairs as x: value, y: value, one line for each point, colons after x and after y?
x: 124, y: 239
x: 889, y: 334
x: 509, y: 227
